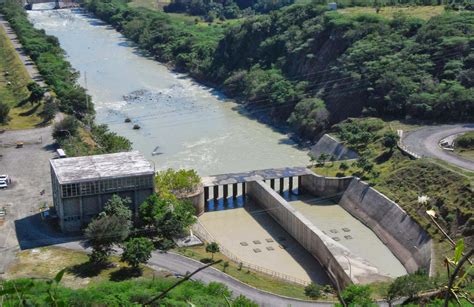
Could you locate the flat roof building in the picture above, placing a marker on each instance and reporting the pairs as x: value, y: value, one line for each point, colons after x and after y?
x: 83, y: 185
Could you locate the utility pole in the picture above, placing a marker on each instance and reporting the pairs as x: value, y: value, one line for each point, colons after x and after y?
x: 87, y: 100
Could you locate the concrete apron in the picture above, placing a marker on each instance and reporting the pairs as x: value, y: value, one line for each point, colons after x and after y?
x: 411, y: 246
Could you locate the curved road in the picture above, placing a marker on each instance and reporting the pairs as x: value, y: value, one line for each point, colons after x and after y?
x: 182, y: 265
x: 424, y: 142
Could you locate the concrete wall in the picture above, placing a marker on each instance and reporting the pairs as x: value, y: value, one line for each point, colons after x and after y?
x: 329, y: 145
x: 338, y: 261
x: 324, y: 186
x: 197, y: 199
x: 410, y: 243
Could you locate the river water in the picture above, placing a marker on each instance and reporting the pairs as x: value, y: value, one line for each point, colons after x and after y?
x: 183, y: 124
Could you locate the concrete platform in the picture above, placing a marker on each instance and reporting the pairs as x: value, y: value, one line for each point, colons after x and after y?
x: 345, y: 229
x: 253, y: 236
x: 265, y: 174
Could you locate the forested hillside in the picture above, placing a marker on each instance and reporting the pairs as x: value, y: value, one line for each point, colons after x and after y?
x: 224, y: 9
x: 311, y: 68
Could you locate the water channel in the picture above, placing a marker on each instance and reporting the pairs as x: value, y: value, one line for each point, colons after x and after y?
x: 183, y: 124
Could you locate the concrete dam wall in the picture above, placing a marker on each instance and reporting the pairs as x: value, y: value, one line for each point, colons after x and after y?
x: 329, y: 145
x: 342, y: 266
x: 410, y: 243
x: 324, y: 186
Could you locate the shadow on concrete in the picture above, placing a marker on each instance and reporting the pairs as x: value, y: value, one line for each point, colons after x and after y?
x: 33, y: 232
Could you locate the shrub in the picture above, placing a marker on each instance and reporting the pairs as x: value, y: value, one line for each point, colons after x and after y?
x: 357, y: 295
x: 313, y: 290
x: 66, y: 128
x: 136, y: 251
x: 4, y: 110
x: 171, y: 183
x: 466, y: 140
x: 212, y: 248
x: 390, y: 140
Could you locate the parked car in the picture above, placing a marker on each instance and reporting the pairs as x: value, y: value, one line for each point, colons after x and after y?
x: 3, y: 184
x: 5, y: 178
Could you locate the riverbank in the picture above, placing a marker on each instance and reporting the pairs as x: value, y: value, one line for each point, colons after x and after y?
x: 62, y: 79
x: 306, y: 67
x: 15, y: 75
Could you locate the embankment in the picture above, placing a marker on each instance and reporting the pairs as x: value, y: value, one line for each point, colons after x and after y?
x: 410, y: 243
x: 329, y: 145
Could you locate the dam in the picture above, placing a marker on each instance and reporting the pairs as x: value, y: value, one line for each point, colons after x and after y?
x: 351, y: 231
x: 187, y: 125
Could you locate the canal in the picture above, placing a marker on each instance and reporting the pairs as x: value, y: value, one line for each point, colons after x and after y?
x: 183, y: 124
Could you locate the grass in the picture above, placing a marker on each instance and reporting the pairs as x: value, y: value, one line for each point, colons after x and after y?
x: 46, y: 262
x: 250, y: 277
x: 465, y: 153
x: 156, y: 5
x: 22, y: 114
x: 422, y: 12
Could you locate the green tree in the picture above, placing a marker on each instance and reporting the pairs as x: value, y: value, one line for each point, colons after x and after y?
x: 50, y: 109
x: 111, y: 227
x: 313, y: 290
x: 212, y: 248
x: 102, y: 234
x: 390, y: 140
x: 167, y: 217
x: 357, y: 295
x: 66, y: 128
x: 310, y: 117
x: 408, y: 286
x: 137, y: 251
x: 36, y: 92
x: 225, y: 265
x: 119, y: 207
x: 4, y: 110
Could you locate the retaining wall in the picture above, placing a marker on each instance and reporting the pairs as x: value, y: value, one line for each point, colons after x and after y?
x: 410, y: 243
x: 324, y: 186
x: 329, y: 145
x: 342, y: 266
x: 197, y: 199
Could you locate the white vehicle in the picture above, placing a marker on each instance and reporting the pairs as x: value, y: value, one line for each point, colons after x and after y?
x: 5, y: 178
x: 3, y: 184
x: 60, y: 153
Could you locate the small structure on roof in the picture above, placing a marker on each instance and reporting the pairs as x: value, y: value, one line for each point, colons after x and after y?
x: 83, y: 185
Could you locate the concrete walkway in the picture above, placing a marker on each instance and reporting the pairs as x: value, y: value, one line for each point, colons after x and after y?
x: 424, y: 142
x: 27, y: 62
x: 264, y: 174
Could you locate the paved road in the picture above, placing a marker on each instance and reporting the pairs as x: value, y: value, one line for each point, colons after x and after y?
x: 424, y: 142
x: 179, y: 264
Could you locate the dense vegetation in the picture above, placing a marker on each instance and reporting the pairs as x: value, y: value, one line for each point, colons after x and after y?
x: 26, y: 292
x: 16, y: 111
x: 313, y: 68
x: 224, y: 9
x: 180, y: 182
x: 466, y: 140
x: 50, y: 59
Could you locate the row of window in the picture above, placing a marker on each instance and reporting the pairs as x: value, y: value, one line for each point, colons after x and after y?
x: 95, y: 187
x: 72, y: 218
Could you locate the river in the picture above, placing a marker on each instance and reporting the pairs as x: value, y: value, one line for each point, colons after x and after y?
x: 183, y: 124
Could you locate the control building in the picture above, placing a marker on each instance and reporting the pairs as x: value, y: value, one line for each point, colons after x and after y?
x: 83, y: 185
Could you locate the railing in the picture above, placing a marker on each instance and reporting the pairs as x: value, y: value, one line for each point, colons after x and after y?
x: 202, y: 233
x: 403, y: 148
